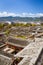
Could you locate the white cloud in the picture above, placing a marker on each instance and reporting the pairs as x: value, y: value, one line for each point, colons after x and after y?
x: 4, y: 14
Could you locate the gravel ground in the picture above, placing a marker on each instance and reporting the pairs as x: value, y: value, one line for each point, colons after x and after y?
x: 40, y: 60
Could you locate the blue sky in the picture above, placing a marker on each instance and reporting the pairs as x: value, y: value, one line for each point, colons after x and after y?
x: 21, y: 6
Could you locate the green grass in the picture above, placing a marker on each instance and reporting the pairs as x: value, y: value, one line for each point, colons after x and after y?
x: 22, y: 37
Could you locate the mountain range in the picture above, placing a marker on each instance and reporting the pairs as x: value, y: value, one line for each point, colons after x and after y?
x: 24, y: 19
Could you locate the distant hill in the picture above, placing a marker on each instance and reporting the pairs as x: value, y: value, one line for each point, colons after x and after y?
x: 24, y: 19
